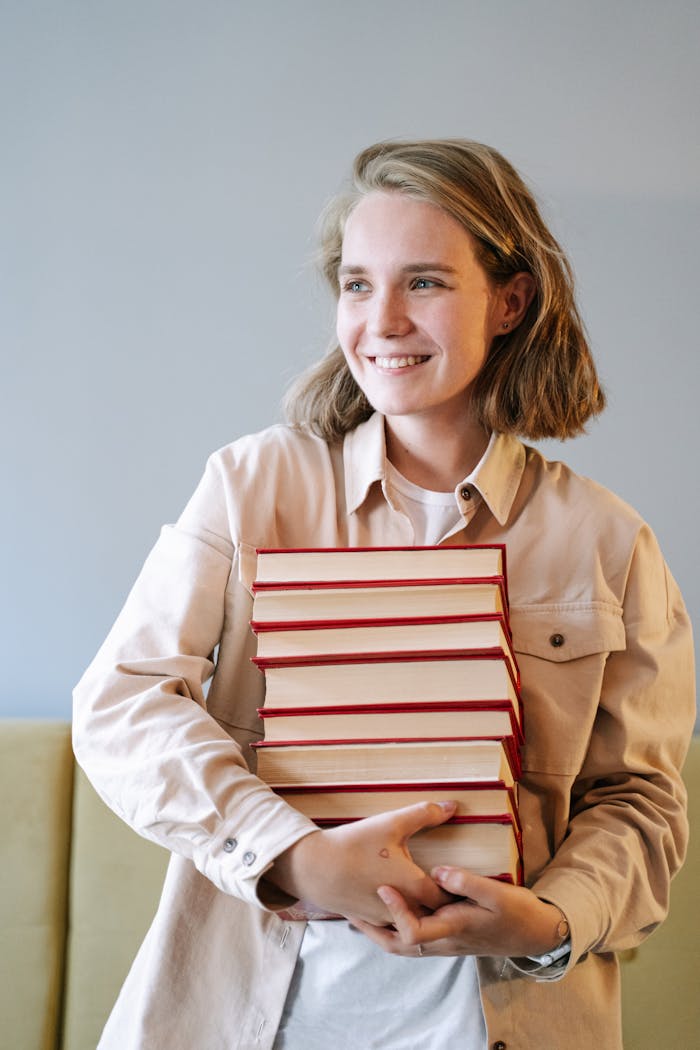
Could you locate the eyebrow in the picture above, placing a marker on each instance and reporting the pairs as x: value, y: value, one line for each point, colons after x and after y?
x: 417, y: 267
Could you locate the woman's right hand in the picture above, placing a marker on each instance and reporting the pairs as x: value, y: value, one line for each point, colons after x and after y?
x: 339, y: 869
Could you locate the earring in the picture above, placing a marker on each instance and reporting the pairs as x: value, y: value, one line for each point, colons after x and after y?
x: 506, y: 324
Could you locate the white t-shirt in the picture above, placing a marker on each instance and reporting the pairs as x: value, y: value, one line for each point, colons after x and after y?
x: 348, y: 994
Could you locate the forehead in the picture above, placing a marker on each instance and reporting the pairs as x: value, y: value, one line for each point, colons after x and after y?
x: 395, y: 224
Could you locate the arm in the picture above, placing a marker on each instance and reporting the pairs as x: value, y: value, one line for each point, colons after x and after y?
x: 157, y: 757
x: 141, y: 728
x: 627, y: 828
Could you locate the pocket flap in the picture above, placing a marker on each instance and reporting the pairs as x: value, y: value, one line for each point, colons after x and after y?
x: 567, y: 631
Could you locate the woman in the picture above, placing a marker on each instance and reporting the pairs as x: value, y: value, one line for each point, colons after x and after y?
x: 457, y: 333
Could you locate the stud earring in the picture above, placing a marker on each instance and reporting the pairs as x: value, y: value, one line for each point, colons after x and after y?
x: 506, y: 324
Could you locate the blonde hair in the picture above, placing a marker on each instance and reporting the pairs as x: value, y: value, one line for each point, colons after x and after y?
x: 539, y: 380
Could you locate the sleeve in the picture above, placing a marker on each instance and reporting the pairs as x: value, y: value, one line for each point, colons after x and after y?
x: 628, y: 829
x: 141, y: 729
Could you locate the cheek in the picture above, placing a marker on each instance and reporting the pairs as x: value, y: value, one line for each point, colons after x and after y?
x: 344, y: 329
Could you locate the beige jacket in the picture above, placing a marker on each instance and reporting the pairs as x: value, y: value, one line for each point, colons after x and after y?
x: 608, y: 715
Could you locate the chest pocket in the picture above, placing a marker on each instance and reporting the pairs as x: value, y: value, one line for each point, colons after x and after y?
x: 562, y: 650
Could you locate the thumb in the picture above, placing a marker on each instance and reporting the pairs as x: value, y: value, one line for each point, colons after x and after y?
x: 411, y: 819
x: 463, y: 883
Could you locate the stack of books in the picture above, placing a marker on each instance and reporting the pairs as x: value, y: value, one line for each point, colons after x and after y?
x: 390, y: 679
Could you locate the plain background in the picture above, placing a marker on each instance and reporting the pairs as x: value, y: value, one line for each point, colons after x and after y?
x: 162, y: 167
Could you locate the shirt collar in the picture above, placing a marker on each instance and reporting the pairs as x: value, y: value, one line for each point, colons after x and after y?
x: 364, y: 455
x: 496, y: 477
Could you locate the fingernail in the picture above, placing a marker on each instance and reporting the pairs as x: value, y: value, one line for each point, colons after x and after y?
x: 448, y: 806
x: 440, y: 874
x: 384, y: 894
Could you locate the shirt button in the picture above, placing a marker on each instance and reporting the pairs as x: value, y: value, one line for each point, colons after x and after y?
x: 556, y: 640
x: 465, y: 492
x: 230, y: 845
x: 248, y: 858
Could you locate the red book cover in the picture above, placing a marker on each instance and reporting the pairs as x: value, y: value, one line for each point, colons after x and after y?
x: 267, y: 573
x: 400, y: 634
x: 509, y: 745
x: 364, y: 712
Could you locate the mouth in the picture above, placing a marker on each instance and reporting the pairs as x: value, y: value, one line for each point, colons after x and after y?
x: 396, y: 363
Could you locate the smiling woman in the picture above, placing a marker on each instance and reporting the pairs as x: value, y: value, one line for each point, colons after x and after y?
x: 417, y: 315
x: 458, y: 335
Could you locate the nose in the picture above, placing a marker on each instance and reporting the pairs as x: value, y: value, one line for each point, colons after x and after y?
x: 388, y: 315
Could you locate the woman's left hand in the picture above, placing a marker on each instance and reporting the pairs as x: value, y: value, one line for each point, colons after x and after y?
x: 487, y: 917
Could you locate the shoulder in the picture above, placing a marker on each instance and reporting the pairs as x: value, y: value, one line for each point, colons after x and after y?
x: 280, y: 442
x: 256, y: 488
x: 576, y: 538
x: 561, y: 490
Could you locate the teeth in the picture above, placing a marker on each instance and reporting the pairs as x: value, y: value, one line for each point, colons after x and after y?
x: 399, y: 362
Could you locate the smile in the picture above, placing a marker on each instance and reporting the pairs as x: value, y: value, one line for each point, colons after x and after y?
x: 399, y: 362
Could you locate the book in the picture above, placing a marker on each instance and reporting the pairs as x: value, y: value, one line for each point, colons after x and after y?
x: 387, y: 722
x: 315, y: 762
x: 385, y: 599
x: 301, y: 565
x: 383, y: 678
x: 340, y: 802
x: 489, y: 846
x: 408, y: 634
x: 484, y: 845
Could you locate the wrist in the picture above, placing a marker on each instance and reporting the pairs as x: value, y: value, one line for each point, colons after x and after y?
x: 560, y: 942
x: 562, y: 934
x: 558, y: 931
x: 293, y: 869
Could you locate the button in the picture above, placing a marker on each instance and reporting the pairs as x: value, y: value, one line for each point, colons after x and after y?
x: 465, y: 492
x: 556, y: 640
x: 230, y: 845
x: 248, y: 858
x: 499, y: 1045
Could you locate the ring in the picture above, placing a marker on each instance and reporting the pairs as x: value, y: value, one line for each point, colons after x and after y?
x: 421, y: 951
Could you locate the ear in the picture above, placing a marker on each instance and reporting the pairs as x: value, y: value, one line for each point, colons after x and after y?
x: 515, y: 297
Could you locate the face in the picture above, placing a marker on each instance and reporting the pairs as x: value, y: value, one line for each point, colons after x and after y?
x: 417, y: 312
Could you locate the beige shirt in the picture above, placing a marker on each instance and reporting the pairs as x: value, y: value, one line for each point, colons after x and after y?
x: 605, y: 653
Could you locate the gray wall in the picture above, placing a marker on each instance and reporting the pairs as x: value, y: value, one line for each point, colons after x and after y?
x: 162, y: 167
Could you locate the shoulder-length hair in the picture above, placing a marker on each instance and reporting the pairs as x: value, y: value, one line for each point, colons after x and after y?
x: 539, y: 380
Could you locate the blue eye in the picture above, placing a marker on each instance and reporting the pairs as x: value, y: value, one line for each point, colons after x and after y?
x: 424, y: 282
x: 355, y: 286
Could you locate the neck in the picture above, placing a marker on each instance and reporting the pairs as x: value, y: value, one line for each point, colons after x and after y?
x: 433, y: 456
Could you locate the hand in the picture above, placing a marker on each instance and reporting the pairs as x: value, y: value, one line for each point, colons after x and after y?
x: 487, y: 917
x: 340, y: 869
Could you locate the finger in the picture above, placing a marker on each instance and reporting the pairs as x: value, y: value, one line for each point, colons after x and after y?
x: 384, y: 937
x: 461, y: 918
x: 465, y: 884
x: 410, y: 819
x: 407, y: 923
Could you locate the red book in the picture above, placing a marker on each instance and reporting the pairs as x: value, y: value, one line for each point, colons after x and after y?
x: 285, y: 762
x: 383, y: 678
x: 343, y: 802
x: 386, y: 722
x: 356, y: 600
x: 409, y: 634
x: 372, y: 564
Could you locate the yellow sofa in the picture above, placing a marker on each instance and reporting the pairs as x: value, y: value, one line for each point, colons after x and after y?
x: 79, y: 888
